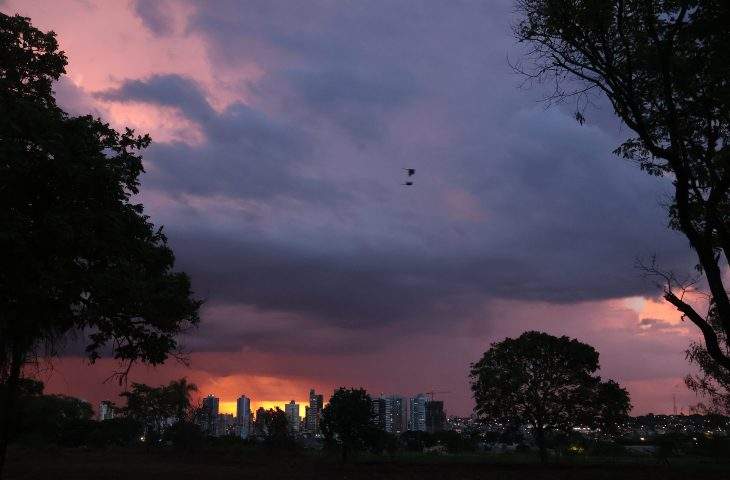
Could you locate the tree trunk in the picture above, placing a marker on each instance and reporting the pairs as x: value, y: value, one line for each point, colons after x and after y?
x: 8, y: 404
x: 345, y: 453
x: 540, y: 440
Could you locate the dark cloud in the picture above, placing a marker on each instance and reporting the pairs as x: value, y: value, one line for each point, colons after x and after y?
x: 353, y: 100
x: 245, y: 153
x: 168, y: 91
x: 154, y: 15
x: 512, y: 201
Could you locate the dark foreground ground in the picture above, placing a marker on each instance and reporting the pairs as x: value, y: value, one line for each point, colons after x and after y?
x: 63, y: 464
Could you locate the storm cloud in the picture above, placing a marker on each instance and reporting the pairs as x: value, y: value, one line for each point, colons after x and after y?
x: 281, y: 132
x: 512, y: 200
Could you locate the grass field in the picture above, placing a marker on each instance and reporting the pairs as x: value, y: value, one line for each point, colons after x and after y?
x: 64, y: 464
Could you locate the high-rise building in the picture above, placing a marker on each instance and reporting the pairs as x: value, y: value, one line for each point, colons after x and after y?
x: 379, y: 412
x: 417, y: 409
x: 396, y: 414
x: 209, y: 420
x: 314, y: 413
x: 106, y: 410
x: 211, y: 404
x: 435, y: 416
x: 243, y: 416
x: 292, y: 414
x: 225, y: 424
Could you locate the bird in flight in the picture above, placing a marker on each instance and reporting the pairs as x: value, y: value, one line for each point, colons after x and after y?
x: 409, y: 173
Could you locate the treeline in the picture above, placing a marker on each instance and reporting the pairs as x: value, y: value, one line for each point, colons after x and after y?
x: 61, y: 420
x: 166, y: 417
x: 152, y: 415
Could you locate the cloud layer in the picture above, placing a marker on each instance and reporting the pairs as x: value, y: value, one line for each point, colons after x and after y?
x: 282, y: 130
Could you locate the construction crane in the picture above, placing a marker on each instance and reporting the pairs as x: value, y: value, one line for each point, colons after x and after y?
x: 432, y: 392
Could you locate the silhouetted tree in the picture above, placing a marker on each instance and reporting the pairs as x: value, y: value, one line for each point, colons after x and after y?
x: 278, y: 429
x: 50, y: 419
x: 178, y: 397
x: 455, y: 442
x: 261, y: 422
x: 612, y: 405
x: 157, y: 408
x: 185, y: 435
x: 118, y: 431
x: 415, y: 440
x: 348, y: 420
x: 27, y: 390
x: 664, y: 66
x: 62, y: 420
x: 510, y: 433
x: 76, y: 253
x: 542, y: 381
x: 712, y: 385
x: 147, y: 406
x: 379, y: 441
x: 29, y: 387
x: 57, y: 419
x: 272, y: 426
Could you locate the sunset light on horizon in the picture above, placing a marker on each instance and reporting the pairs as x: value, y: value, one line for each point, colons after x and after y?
x: 230, y: 407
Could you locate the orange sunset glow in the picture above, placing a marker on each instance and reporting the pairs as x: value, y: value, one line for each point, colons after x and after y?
x: 230, y: 407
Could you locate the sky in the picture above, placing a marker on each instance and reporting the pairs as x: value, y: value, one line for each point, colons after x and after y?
x: 280, y: 133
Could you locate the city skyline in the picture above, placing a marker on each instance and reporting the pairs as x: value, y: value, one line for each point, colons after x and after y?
x: 393, y: 413
x: 230, y: 406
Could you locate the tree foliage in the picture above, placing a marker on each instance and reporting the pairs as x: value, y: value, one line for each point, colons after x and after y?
x: 272, y: 426
x: 118, y: 432
x: 664, y: 65
x: 712, y: 384
x: 611, y: 407
x: 50, y: 419
x: 348, y: 420
x: 157, y: 408
x: 43, y: 420
x: 55, y: 419
x: 546, y: 382
x: 77, y: 253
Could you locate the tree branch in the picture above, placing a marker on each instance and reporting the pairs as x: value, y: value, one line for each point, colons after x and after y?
x: 711, y: 341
